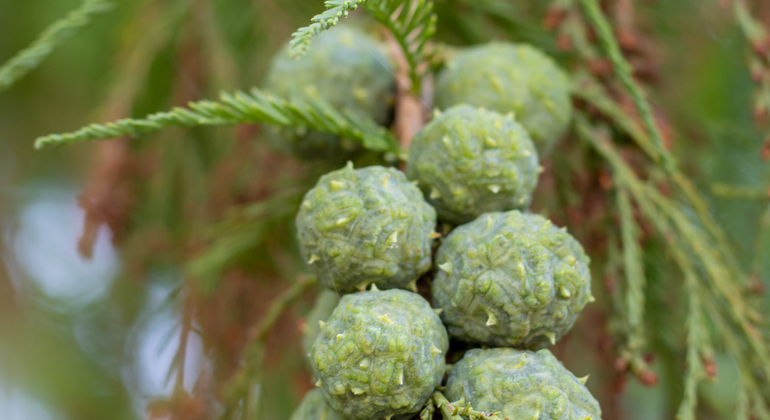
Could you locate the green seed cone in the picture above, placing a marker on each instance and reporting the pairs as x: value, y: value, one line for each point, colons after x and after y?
x: 380, y: 354
x: 346, y: 68
x: 510, y: 280
x: 521, y: 385
x: 507, y: 77
x: 362, y: 226
x: 470, y: 161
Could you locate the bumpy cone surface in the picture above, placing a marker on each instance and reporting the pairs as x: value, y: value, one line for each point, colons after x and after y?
x: 314, y: 407
x: 469, y: 161
x: 521, y: 385
x: 324, y: 305
x: 346, y: 68
x: 380, y: 354
x: 370, y: 225
x: 510, y: 279
x: 507, y: 77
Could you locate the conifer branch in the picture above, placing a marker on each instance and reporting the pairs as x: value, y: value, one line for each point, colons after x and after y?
x: 758, y: 62
x: 593, y: 93
x: 29, y: 58
x: 624, y: 72
x: 701, y: 259
x: 740, y: 192
x: 651, y: 141
x: 697, y: 338
x: 635, y: 280
x: 459, y: 410
x: 590, y: 91
x: 335, y: 10
x: 413, y: 25
x: 428, y: 410
x: 242, y: 108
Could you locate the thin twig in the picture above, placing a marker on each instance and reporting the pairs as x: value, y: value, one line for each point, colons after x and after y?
x: 241, y: 387
x: 106, y: 198
x: 55, y: 35
x: 741, y: 192
x: 279, y: 305
x: 635, y: 280
x: 181, y: 353
x: 410, y: 113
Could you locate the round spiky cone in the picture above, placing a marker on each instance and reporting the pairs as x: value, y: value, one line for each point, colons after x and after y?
x: 346, y: 68
x: 511, y: 279
x: 521, y: 385
x: 507, y: 77
x: 362, y: 226
x: 380, y: 355
x: 470, y: 161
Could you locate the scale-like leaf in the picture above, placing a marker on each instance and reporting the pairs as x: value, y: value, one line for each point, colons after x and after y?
x: 242, y: 108
x: 61, y: 30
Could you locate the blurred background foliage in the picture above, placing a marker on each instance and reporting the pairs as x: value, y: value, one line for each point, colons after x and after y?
x: 189, y: 231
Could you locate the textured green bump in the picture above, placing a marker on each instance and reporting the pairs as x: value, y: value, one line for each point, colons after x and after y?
x: 470, y: 161
x: 380, y: 354
x: 314, y: 407
x: 507, y: 77
x: 521, y: 385
x: 511, y: 280
x: 363, y: 226
x: 325, y: 303
x: 349, y: 70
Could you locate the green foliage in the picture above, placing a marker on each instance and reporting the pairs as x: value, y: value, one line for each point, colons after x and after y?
x: 456, y: 411
x: 413, y: 24
x: 239, y: 235
x: 634, y: 271
x: 346, y: 67
x: 624, y: 72
x: 55, y: 35
x: 716, y: 311
x: 510, y: 78
x: 710, y: 278
x: 335, y: 10
x: 242, y: 108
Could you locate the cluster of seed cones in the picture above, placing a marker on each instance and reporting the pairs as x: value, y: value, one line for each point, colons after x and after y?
x: 500, y: 279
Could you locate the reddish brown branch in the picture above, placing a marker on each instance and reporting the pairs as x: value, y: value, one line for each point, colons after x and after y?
x: 624, y: 16
x: 107, y: 198
x: 411, y: 113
